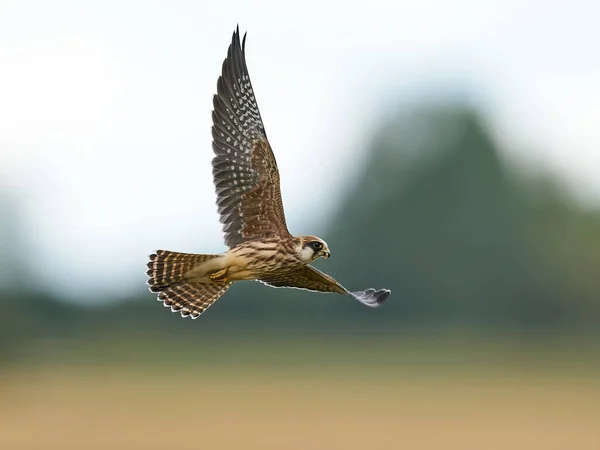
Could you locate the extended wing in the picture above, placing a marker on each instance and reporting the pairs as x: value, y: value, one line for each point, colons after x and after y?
x: 245, y: 172
x: 311, y: 279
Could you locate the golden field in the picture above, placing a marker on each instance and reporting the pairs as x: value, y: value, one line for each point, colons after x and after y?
x: 113, y: 406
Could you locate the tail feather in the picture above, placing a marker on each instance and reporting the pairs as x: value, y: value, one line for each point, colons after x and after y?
x: 191, y: 299
x: 166, y: 277
x: 166, y: 268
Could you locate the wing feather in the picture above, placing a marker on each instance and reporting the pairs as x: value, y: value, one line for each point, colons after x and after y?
x: 245, y: 171
x: 311, y: 279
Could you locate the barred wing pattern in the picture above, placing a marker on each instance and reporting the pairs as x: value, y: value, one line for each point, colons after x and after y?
x: 244, y: 168
x: 311, y: 279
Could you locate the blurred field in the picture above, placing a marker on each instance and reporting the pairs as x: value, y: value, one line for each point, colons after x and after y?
x: 490, y: 340
x: 117, y: 407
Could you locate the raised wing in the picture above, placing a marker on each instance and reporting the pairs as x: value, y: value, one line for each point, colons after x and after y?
x: 244, y: 168
x: 311, y: 279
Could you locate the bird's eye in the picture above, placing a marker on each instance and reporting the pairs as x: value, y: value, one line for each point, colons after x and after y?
x: 317, y: 245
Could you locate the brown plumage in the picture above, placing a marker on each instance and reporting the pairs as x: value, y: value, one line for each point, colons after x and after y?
x: 244, y: 167
x: 249, y: 202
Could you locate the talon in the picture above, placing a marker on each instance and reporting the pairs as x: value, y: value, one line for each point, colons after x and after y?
x: 218, y: 276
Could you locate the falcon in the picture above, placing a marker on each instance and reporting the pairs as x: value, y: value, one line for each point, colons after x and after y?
x: 249, y: 203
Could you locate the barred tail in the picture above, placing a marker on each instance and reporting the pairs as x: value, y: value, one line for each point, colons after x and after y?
x: 166, y: 268
x: 166, y: 272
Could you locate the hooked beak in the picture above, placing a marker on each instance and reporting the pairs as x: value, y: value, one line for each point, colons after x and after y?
x: 326, y: 255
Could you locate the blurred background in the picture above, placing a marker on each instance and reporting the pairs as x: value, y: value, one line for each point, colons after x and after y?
x: 447, y: 151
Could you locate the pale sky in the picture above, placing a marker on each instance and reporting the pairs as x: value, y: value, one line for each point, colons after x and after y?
x: 105, y: 108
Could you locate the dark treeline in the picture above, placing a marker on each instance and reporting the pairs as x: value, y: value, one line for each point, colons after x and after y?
x: 436, y: 216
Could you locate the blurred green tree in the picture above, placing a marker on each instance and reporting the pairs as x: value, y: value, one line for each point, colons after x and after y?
x: 436, y: 216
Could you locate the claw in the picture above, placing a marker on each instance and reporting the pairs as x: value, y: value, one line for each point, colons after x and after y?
x: 219, y: 276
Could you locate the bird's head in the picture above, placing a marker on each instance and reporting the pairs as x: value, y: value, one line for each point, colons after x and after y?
x: 311, y: 248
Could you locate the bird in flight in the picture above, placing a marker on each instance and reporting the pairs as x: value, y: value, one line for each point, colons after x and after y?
x: 249, y: 202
